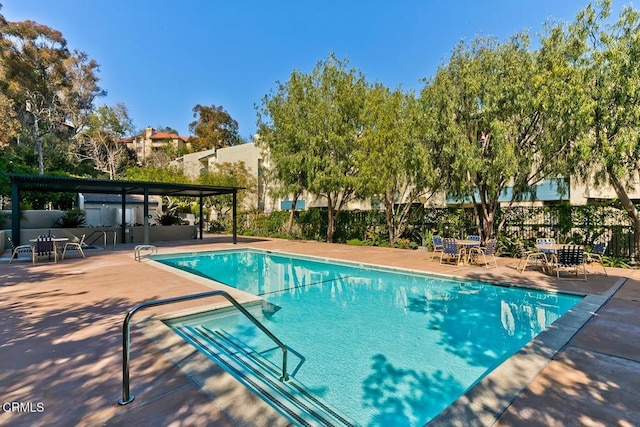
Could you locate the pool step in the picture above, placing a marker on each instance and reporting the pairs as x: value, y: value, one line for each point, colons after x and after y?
x: 259, y: 375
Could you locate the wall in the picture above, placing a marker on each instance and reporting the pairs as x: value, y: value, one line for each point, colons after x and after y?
x: 34, y: 218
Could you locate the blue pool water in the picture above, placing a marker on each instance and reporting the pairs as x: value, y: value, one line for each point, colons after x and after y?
x: 382, y: 346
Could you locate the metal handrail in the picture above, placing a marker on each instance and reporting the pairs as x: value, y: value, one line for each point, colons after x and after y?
x: 126, y: 334
x: 103, y: 234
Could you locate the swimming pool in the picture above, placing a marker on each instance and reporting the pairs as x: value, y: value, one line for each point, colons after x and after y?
x: 376, y: 346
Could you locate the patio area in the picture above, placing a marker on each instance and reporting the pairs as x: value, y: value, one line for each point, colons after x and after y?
x: 60, y: 346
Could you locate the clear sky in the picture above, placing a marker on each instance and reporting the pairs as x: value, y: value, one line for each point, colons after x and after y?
x: 161, y: 58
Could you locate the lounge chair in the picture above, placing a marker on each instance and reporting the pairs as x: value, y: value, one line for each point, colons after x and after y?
x: 487, y: 251
x: 17, y: 250
x: 596, y: 255
x: 74, y: 246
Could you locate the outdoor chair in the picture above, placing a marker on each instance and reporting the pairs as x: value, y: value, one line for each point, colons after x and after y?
x: 570, y: 257
x: 487, y: 251
x: 44, y: 246
x: 437, y: 244
x: 596, y: 255
x: 17, y: 250
x: 451, y: 250
x: 527, y: 256
x: 473, y: 237
x: 74, y: 246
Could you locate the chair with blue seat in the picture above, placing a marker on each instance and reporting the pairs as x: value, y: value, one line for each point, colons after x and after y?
x: 596, y: 254
x: 74, y: 246
x: 570, y: 257
x: 44, y: 246
x: 437, y: 244
x: 473, y: 237
x: 487, y: 251
x: 17, y: 250
x: 452, y: 250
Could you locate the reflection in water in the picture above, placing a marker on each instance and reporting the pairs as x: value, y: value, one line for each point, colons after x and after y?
x: 398, y: 396
x: 381, y: 346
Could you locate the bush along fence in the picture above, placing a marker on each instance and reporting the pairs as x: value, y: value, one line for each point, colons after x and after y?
x: 583, y: 225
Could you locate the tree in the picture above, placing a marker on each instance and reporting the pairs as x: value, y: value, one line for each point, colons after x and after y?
x: 323, y: 119
x: 395, y: 159
x: 607, y: 150
x: 228, y: 175
x: 283, y: 140
x: 100, y: 142
x: 48, y: 88
x: 491, y: 124
x: 214, y: 128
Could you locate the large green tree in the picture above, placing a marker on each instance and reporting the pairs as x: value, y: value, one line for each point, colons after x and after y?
x: 49, y: 90
x: 491, y: 124
x: 396, y: 160
x: 213, y: 128
x: 607, y: 56
x: 283, y: 140
x: 326, y: 109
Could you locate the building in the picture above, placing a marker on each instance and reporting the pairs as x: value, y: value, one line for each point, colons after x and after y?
x: 151, y: 141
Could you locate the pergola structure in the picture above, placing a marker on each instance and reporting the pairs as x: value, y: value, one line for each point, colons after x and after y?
x: 25, y: 183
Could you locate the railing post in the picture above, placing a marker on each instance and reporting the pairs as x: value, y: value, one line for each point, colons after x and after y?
x: 126, y: 335
x: 126, y: 357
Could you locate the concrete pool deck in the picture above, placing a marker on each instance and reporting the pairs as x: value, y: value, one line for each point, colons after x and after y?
x: 60, y: 346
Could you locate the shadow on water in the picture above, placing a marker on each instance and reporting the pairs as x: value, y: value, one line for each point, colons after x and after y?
x: 405, y: 397
x: 482, y: 326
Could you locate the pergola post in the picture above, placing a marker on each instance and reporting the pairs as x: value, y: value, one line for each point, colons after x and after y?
x: 145, y: 212
x: 235, y: 219
x: 123, y: 218
x: 15, y: 213
x: 201, y: 217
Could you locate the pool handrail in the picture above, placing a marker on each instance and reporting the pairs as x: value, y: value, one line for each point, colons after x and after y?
x: 126, y: 334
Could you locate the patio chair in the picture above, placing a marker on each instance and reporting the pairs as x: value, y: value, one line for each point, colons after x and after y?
x: 44, y: 246
x: 570, y: 257
x: 437, y: 244
x: 596, y: 255
x: 526, y: 256
x: 487, y: 251
x: 17, y: 250
x: 74, y: 246
x: 451, y: 250
x: 473, y: 237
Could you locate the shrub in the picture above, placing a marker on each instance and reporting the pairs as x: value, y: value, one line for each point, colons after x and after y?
x: 72, y: 218
x: 354, y: 242
x: 168, y: 219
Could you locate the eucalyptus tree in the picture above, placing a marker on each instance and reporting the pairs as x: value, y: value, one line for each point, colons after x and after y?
x: 607, y: 151
x: 320, y: 123
x: 49, y: 89
x: 395, y: 159
x: 100, y: 142
x: 490, y: 125
x: 213, y: 128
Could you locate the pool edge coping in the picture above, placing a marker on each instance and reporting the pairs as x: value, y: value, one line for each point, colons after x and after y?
x: 485, y: 402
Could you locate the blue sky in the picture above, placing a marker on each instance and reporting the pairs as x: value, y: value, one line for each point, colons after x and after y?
x: 161, y: 58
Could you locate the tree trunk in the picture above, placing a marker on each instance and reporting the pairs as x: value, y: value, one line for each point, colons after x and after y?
x: 291, y: 213
x: 330, y: 223
x: 628, y: 206
x: 388, y: 214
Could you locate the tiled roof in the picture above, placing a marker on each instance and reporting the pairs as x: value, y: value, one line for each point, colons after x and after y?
x: 164, y: 135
